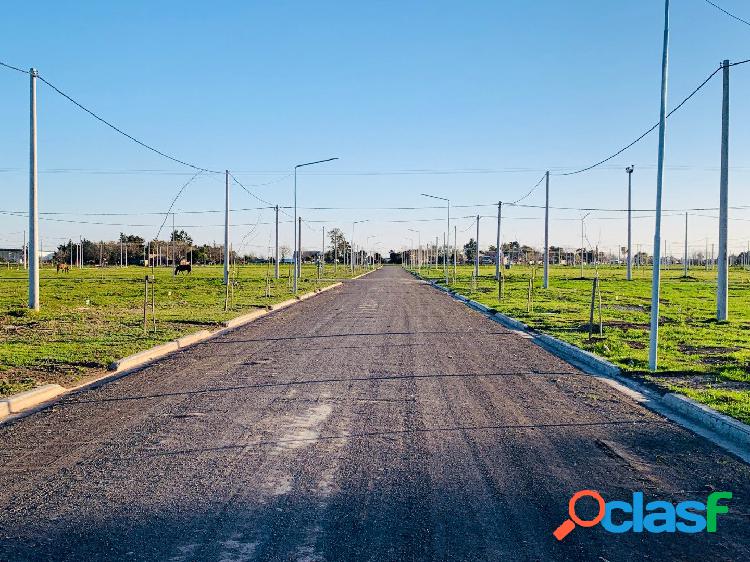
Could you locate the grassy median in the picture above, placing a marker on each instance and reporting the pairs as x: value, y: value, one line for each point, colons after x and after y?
x: 706, y: 360
x: 93, y: 316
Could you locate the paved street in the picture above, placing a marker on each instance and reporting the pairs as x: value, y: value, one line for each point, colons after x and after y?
x: 378, y: 421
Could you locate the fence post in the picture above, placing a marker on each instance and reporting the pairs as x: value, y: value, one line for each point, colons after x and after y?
x: 145, y: 302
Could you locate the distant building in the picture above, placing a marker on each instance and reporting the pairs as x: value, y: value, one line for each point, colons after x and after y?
x: 12, y: 255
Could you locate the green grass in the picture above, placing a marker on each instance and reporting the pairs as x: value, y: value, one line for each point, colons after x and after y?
x: 93, y: 316
x: 698, y: 356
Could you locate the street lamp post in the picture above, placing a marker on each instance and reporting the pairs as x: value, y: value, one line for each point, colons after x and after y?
x: 351, y: 252
x: 419, y: 249
x: 629, y: 170
x: 448, y: 231
x: 296, y: 249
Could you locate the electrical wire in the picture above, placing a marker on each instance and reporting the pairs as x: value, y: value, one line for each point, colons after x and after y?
x: 731, y: 15
x: 644, y: 135
x: 123, y: 133
x: 6, y: 65
x: 166, y: 216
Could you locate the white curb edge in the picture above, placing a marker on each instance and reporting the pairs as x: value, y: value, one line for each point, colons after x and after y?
x: 728, y: 433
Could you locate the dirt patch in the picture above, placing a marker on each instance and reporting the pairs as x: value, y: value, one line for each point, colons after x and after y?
x: 716, y: 360
x: 628, y: 307
x: 635, y: 344
x: 706, y: 350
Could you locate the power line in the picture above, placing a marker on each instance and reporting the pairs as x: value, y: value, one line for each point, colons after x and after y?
x: 644, y: 135
x: 6, y: 65
x: 530, y: 191
x: 731, y: 15
x: 176, y: 197
x: 123, y: 133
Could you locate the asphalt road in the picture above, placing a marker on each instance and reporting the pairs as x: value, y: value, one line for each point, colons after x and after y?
x: 379, y: 421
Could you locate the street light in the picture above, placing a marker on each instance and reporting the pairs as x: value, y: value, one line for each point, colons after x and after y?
x: 419, y: 250
x: 297, y: 260
x: 629, y: 274
x: 352, y: 243
x: 448, y: 234
x: 367, y: 243
x: 583, y: 218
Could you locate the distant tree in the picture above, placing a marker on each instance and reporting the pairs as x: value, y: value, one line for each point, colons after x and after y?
x: 131, y: 239
x: 470, y: 249
x: 181, y: 236
x: 285, y: 251
x: 395, y: 257
x: 339, y: 245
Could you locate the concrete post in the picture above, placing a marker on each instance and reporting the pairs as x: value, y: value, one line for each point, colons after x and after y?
x: 545, y: 283
x: 276, y: 254
x: 33, y: 251
x: 656, y: 275
x: 226, y: 227
x: 722, y: 293
x: 629, y: 170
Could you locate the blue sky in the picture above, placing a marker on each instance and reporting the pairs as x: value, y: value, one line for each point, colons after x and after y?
x: 479, y: 97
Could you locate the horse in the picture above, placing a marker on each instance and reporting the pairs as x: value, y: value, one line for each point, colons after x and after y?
x: 63, y: 267
x: 186, y: 267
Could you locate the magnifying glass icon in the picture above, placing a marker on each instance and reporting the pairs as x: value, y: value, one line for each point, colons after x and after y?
x: 569, y: 524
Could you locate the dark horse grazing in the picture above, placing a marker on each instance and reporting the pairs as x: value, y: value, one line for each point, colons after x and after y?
x: 186, y: 267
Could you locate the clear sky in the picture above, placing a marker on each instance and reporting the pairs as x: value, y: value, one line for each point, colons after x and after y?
x: 469, y: 100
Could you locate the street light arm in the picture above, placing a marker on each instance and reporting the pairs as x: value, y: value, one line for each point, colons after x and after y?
x: 316, y: 162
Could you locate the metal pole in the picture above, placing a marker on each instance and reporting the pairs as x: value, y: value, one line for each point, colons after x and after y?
x: 476, y: 254
x: 583, y: 249
x: 446, y: 242
x: 299, y: 247
x: 226, y: 229
x: 323, y: 252
x: 722, y: 294
x: 455, y: 250
x: 295, y: 231
x: 497, y: 256
x: 656, y: 270
x: 276, y: 266
x: 685, y: 257
x: 33, y: 251
x: 545, y: 283
x: 629, y: 170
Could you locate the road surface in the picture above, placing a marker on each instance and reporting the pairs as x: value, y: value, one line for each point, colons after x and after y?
x: 379, y: 421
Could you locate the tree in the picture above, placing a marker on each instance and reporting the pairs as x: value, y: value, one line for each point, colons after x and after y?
x: 181, y: 236
x: 395, y: 256
x: 339, y: 245
x: 285, y: 251
x: 470, y: 249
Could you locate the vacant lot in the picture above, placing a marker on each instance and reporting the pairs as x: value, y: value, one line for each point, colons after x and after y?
x: 92, y: 316
x: 704, y: 359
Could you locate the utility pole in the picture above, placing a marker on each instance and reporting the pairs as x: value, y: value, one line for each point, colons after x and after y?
x: 455, y: 250
x: 299, y: 248
x: 226, y: 228
x: 629, y: 170
x: 33, y: 250
x: 276, y: 265
x: 546, y: 234
x: 323, y: 252
x: 722, y: 294
x: 476, y: 254
x: 685, y: 257
x: 656, y: 270
x: 498, y: 258
x: 335, y: 254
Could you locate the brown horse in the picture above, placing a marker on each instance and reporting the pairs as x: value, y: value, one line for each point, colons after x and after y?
x: 63, y: 267
x: 186, y: 267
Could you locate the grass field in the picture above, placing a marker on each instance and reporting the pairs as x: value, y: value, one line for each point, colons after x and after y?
x: 698, y: 356
x: 93, y: 316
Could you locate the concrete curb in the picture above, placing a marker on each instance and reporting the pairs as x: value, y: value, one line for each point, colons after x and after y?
x: 30, y: 398
x: 363, y: 274
x: 144, y: 356
x: 723, y: 431
x: 25, y: 400
x: 730, y: 428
